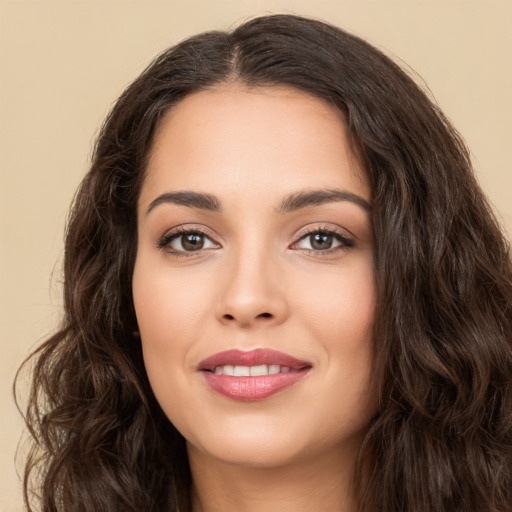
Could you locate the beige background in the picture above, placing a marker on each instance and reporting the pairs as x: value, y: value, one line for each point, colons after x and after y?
x: 63, y: 63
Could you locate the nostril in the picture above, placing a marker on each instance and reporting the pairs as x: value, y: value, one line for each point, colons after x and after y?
x: 231, y: 317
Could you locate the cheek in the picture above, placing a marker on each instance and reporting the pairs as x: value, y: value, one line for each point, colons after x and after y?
x: 340, y: 316
x: 166, y: 310
x: 169, y: 304
x: 340, y: 306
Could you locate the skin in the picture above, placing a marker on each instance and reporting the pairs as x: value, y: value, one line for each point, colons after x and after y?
x: 259, y: 282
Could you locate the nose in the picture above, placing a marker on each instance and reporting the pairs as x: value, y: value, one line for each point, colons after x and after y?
x: 252, y: 294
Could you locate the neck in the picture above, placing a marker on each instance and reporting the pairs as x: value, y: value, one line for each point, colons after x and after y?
x: 319, y: 485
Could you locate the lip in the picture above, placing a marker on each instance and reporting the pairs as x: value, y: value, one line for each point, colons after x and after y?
x: 252, y: 358
x: 257, y: 387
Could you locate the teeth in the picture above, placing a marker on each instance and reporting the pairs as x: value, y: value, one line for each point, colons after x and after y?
x: 251, y: 371
x: 262, y: 369
x: 241, y: 371
x: 228, y: 370
x: 273, y: 369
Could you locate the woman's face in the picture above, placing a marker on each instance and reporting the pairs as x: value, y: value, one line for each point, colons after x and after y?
x: 253, y: 284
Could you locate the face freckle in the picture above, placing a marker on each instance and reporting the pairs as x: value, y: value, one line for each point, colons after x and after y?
x: 255, y: 239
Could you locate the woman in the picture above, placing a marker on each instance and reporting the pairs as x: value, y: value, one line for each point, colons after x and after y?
x: 284, y: 289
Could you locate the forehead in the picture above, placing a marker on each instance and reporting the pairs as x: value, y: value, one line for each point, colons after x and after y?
x: 235, y: 140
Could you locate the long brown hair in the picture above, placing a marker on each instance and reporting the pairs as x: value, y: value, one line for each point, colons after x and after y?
x: 442, y: 438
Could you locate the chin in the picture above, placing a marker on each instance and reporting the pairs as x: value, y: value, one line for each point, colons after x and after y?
x: 254, y: 442
x: 266, y: 444
x: 254, y: 454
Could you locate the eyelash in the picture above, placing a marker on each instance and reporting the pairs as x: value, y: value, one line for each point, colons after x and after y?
x: 345, y: 241
x: 177, y: 233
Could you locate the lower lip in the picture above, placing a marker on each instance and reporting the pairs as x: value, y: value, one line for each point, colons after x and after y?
x: 248, y: 389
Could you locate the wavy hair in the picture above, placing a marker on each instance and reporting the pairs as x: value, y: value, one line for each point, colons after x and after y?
x: 441, y: 440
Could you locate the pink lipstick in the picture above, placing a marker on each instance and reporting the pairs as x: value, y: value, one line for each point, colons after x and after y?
x: 252, y: 375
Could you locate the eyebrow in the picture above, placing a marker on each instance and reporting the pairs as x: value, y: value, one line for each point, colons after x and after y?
x: 291, y: 203
x: 187, y: 198
x: 318, y: 197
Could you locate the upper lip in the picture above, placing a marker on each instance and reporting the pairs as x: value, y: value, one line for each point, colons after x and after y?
x: 254, y: 357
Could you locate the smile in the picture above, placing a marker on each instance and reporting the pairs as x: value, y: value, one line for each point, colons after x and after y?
x: 251, y: 371
x: 252, y: 375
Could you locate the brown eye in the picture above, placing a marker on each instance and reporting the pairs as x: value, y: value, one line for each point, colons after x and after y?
x: 321, y: 241
x: 192, y: 241
x: 186, y: 242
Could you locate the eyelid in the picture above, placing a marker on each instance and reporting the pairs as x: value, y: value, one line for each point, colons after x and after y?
x: 175, y: 232
x: 347, y: 240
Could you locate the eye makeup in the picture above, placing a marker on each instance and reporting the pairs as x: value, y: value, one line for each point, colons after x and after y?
x: 191, y: 241
x: 323, y: 241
